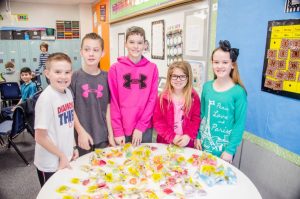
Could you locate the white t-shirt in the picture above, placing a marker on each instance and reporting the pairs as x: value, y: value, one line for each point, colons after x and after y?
x: 54, y: 111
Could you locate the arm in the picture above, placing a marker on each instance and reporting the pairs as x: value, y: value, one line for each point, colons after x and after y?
x: 84, y: 138
x: 239, y: 124
x: 145, y: 119
x: 42, y: 138
x: 32, y: 90
x: 109, y: 128
x: 194, y: 122
x: 115, y: 113
x: 160, y: 124
x: 203, y: 107
x: 75, y: 151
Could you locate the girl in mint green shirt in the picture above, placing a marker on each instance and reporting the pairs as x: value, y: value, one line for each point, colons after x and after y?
x: 223, y: 105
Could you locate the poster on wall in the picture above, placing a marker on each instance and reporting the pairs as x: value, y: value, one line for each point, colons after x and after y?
x: 195, y: 34
x: 121, y: 44
x: 158, y: 39
x: 281, y: 71
x: 121, y: 8
x: 199, y: 74
x: 292, y: 6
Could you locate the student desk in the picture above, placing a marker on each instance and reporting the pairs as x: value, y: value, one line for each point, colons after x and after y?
x: 244, y: 188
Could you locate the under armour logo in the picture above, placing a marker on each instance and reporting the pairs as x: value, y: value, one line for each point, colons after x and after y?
x: 129, y: 81
x: 87, y: 90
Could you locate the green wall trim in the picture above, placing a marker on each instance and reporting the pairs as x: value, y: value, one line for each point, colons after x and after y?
x: 275, y: 148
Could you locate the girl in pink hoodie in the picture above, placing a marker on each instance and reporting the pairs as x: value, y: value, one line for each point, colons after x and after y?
x: 177, y: 112
x: 133, y: 84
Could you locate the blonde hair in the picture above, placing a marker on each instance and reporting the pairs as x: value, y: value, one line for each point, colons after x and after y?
x: 187, y: 90
x: 234, y: 73
x: 57, y: 57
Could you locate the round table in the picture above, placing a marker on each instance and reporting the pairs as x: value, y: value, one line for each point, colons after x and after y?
x: 243, y: 188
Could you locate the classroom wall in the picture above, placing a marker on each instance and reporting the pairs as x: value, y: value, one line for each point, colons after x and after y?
x: 269, y: 155
x: 172, y: 16
x: 272, y: 117
x: 103, y: 29
x: 45, y: 15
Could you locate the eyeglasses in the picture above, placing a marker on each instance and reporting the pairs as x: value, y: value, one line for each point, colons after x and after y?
x: 181, y: 77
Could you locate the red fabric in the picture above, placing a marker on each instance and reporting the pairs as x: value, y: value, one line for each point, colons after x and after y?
x: 163, y: 120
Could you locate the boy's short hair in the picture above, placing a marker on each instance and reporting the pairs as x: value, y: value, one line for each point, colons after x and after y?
x: 25, y: 70
x: 135, y: 30
x: 45, y: 45
x: 57, y: 57
x: 93, y: 36
x: 9, y: 64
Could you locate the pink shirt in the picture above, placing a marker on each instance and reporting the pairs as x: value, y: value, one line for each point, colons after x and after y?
x: 178, y: 117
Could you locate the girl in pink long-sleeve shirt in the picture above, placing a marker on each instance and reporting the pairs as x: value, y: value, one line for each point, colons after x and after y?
x: 133, y: 84
x: 177, y: 112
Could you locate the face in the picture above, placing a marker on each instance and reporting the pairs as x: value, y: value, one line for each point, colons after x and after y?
x: 135, y: 45
x: 43, y: 49
x: 59, y: 74
x: 91, y: 52
x: 178, y: 79
x: 26, y: 77
x: 222, y: 64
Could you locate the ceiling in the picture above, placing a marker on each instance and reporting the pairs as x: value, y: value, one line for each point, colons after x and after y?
x: 69, y: 2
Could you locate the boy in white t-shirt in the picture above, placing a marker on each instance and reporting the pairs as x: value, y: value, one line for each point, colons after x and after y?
x: 54, y: 120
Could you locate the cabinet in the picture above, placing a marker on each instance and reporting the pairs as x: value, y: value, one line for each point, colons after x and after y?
x: 26, y: 53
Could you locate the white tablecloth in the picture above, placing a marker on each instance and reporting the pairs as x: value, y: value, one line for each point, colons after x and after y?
x: 244, y: 188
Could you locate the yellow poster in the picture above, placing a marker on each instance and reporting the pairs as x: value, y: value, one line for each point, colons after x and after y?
x: 281, y: 74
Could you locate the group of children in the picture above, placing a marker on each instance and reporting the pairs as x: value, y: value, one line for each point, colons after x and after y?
x: 110, y: 109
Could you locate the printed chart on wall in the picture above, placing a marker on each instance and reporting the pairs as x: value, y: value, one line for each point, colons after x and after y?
x: 281, y: 72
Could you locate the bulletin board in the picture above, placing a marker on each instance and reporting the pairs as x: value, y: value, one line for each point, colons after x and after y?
x: 281, y: 71
x: 121, y: 9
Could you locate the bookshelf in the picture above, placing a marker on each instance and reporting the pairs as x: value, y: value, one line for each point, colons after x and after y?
x: 67, y: 29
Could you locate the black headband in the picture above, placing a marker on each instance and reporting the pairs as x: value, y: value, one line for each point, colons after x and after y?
x: 226, y: 46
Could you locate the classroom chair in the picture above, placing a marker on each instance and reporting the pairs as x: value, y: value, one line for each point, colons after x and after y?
x: 13, y: 128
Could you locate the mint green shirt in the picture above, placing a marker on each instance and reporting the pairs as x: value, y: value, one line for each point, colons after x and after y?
x: 223, y: 119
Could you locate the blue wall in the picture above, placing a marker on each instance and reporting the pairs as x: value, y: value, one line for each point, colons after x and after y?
x: 244, y: 24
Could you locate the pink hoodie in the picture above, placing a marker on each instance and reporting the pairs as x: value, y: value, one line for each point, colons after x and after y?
x: 133, y: 89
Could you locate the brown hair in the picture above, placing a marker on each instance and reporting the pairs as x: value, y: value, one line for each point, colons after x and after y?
x: 45, y: 45
x: 187, y: 90
x: 57, y: 57
x: 234, y: 73
x: 9, y: 64
x: 93, y: 36
x: 135, y: 30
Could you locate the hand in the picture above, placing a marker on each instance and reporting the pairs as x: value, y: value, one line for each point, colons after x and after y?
x: 13, y: 108
x: 197, y: 144
x: 176, y: 139
x: 184, y: 140
x: 227, y: 157
x: 75, y: 154
x: 63, y: 162
x: 85, y: 141
x: 111, y: 140
x: 120, y: 140
x: 137, y: 137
